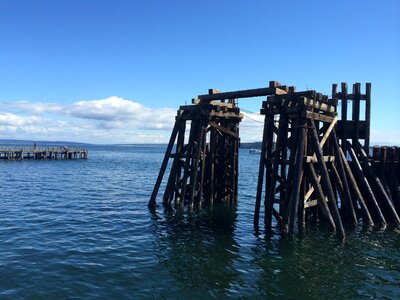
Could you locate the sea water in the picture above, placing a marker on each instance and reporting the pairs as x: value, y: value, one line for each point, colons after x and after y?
x: 82, y: 229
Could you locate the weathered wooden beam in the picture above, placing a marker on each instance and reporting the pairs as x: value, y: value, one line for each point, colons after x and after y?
x: 378, y: 185
x: 322, y: 200
x: 356, y: 189
x: 325, y: 179
x: 342, y: 177
x: 344, y: 116
x: 224, y: 130
x: 298, y: 173
x: 366, y: 186
x: 245, y: 93
x: 152, y: 201
x: 367, y: 116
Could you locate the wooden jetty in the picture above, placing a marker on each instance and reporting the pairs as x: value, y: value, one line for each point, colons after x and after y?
x: 313, y: 164
x: 42, y: 153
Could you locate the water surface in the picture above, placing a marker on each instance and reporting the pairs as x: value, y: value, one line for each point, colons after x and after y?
x: 82, y: 229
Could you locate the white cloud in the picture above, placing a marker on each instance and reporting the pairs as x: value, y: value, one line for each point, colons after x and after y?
x: 111, y: 120
x: 34, y: 108
x: 115, y: 120
x: 9, y: 119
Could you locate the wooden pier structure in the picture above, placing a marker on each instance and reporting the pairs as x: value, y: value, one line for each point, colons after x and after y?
x: 314, y: 162
x: 42, y: 153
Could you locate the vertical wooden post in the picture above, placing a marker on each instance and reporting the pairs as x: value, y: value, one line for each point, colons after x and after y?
x: 298, y: 173
x: 212, y: 163
x: 356, y: 113
x: 275, y: 168
x: 261, y: 170
x: 367, y: 116
x: 344, y: 116
x: 269, y: 145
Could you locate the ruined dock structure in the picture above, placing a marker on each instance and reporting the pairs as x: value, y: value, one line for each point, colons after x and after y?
x: 313, y: 164
x: 42, y: 153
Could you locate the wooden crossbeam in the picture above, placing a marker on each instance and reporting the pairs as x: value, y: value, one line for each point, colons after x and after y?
x: 280, y: 90
x: 224, y: 130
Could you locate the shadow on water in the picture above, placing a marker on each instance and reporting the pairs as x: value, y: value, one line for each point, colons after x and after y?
x: 317, y: 266
x: 197, y: 249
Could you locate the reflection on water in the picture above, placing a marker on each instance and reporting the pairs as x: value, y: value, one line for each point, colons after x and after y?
x: 198, y: 249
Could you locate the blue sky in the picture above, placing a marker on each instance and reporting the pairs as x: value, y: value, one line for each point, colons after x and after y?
x: 118, y: 59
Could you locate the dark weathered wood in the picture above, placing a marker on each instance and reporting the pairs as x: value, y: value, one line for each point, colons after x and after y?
x: 367, y: 115
x: 179, y: 151
x: 275, y: 168
x: 212, y: 163
x: 288, y: 186
x: 392, y: 176
x: 244, y: 94
x: 362, y: 180
x: 378, y: 185
x: 344, y: 116
x: 322, y: 201
x: 342, y: 176
x: 195, y: 164
x: 356, y: 113
x: 357, y: 192
x: 326, y: 182
x: 224, y: 130
x: 268, y: 174
x: 298, y: 173
x: 152, y: 201
x: 188, y: 160
x: 261, y: 170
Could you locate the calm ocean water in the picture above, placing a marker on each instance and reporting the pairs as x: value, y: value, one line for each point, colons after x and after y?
x: 82, y: 229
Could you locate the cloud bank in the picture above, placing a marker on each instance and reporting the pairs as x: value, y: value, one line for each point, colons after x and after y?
x: 111, y: 120
x: 114, y: 120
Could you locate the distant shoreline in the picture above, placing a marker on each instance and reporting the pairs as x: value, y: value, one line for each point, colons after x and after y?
x: 15, y: 142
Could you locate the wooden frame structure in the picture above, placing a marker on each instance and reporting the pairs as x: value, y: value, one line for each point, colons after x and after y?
x: 309, y: 169
x: 205, y: 165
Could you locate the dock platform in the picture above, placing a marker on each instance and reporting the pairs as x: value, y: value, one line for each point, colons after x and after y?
x: 42, y: 153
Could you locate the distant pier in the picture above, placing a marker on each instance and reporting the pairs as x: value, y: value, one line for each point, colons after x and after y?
x: 42, y: 153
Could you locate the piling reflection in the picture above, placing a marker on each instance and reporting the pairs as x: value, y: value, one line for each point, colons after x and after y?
x: 198, y: 249
x: 313, y: 268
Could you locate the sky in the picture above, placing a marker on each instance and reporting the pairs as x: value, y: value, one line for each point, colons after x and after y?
x: 116, y: 71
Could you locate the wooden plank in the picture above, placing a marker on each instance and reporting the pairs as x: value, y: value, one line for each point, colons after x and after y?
x: 319, y: 117
x: 245, y: 93
x: 224, y: 130
x: 328, y: 132
x: 308, y: 102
